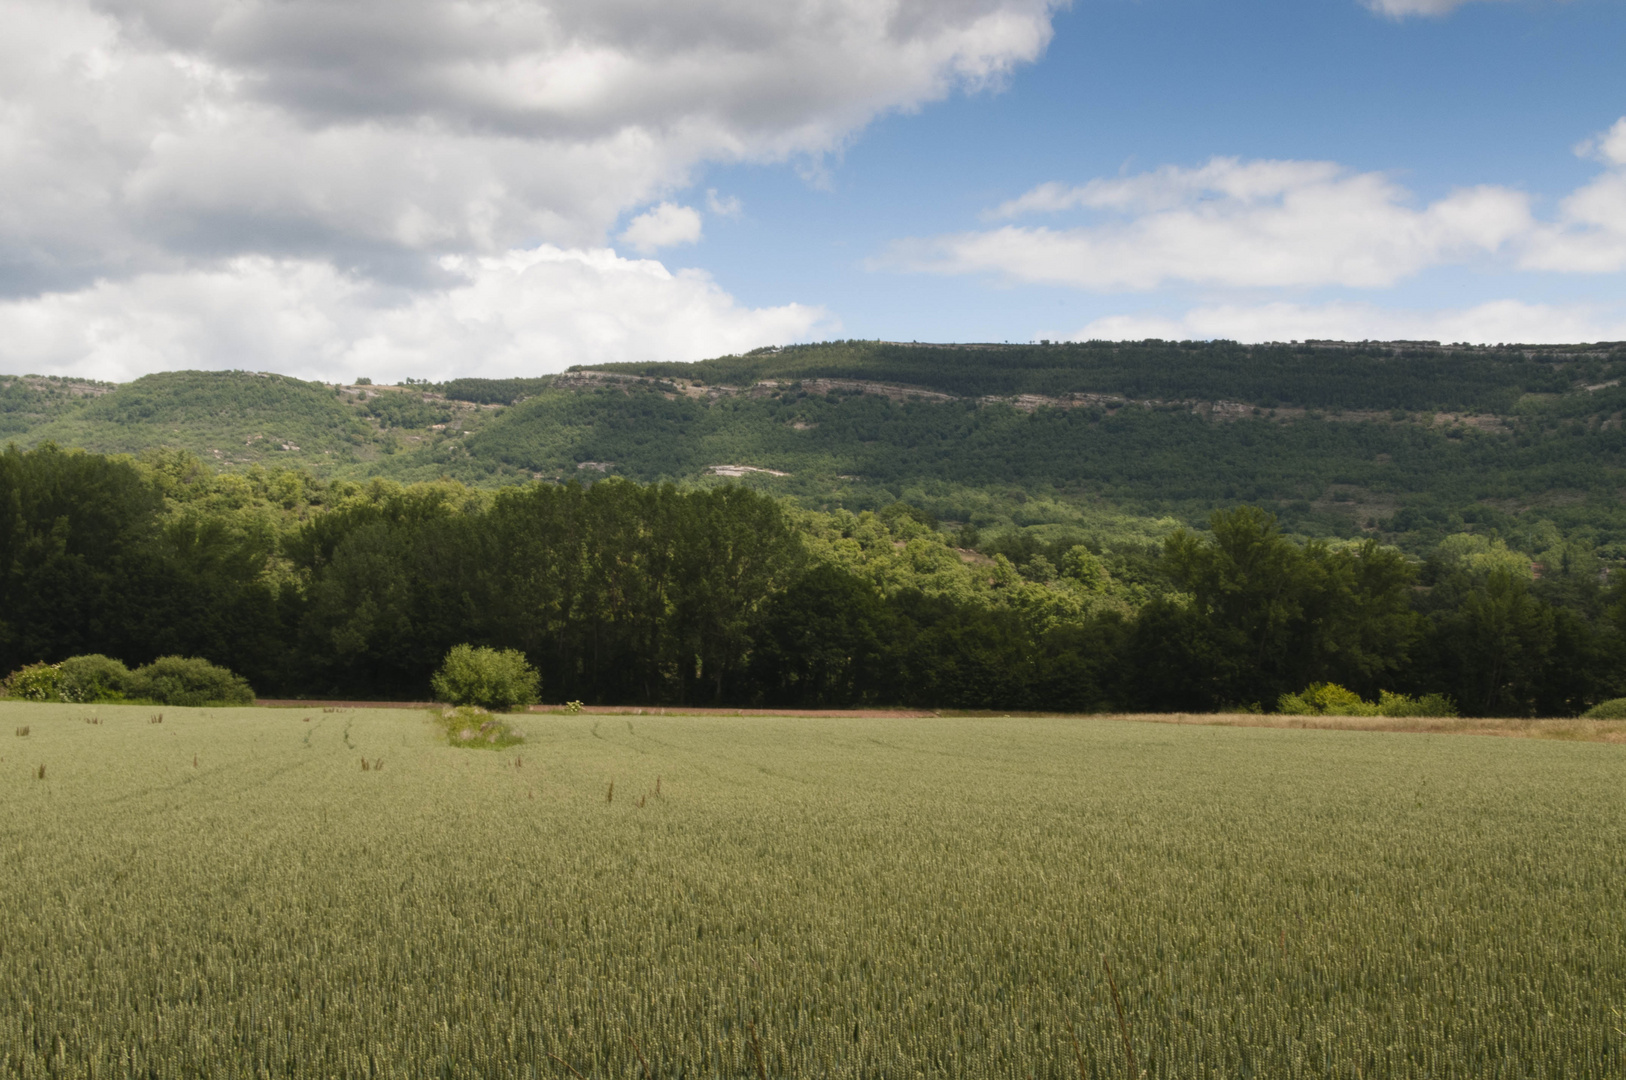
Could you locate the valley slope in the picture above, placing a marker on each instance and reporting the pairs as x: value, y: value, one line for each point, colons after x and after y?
x: 1408, y: 441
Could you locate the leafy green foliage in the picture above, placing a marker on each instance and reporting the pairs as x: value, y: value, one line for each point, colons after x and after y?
x: 1325, y: 699
x: 403, y: 409
x: 35, y: 682
x: 1265, y: 614
x: 233, y: 416
x: 29, y: 401
x: 488, y: 678
x: 1330, y: 699
x: 188, y: 681
x: 94, y: 678
x: 617, y: 592
x: 493, y: 391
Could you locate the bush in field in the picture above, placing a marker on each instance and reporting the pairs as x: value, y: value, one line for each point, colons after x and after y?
x: 188, y: 680
x: 473, y: 727
x: 1325, y: 699
x: 1613, y: 709
x: 93, y: 677
x: 488, y: 678
x: 36, y: 682
x: 1330, y: 699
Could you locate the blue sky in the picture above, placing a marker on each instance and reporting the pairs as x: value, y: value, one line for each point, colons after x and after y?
x: 420, y: 188
x: 1489, y: 94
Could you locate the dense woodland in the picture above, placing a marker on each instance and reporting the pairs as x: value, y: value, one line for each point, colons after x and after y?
x: 1318, y: 375
x: 621, y: 592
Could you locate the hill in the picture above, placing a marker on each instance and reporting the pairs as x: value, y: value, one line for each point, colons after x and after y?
x: 1408, y: 441
x: 239, y: 419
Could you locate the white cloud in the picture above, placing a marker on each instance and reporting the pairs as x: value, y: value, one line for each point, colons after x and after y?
x: 1609, y: 147
x: 723, y: 205
x: 1399, y: 9
x: 1489, y: 323
x: 664, y: 226
x: 1590, y: 233
x: 149, y: 146
x: 1232, y: 223
x: 378, y: 134
x: 519, y: 313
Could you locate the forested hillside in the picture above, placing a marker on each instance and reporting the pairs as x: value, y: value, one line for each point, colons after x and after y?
x: 1322, y: 375
x: 1404, y: 442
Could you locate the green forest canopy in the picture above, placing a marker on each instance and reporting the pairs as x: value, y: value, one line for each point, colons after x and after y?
x: 620, y: 592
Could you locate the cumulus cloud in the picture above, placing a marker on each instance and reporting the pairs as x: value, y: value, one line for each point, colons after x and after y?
x: 1609, y: 147
x: 519, y: 313
x: 664, y: 226
x: 136, y: 134
x: 1231, y: 223
x: 1590, y: 233
x: 150, y: 141
x: 1489, y: 323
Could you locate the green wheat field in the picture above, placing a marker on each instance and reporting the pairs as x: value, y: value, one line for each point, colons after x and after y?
x: 231, y: 893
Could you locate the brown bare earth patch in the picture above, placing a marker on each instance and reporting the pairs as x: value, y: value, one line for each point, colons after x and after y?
x: 742, y: 470
x: 1493, y: 424
x: 693, y: 710
x: 1574, y: 730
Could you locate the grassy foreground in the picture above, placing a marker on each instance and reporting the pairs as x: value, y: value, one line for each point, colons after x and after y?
x: 228, y: 893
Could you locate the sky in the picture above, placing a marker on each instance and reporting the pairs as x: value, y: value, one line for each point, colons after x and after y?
x: 416, y: 188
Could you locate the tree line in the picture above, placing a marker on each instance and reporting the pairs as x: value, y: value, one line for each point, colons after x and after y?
x: 626, y: 593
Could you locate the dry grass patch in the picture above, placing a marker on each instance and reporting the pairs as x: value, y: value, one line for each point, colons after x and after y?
x: 1571, y: 729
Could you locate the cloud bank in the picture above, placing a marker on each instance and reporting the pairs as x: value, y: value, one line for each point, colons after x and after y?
x: 519, y: 312
x: 1232, y: 223
x: 1489, y: 323
x: 1281, y: 225
x: 149, y: 146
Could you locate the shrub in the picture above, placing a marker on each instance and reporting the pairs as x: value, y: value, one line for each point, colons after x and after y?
x: 1330, y: 699
x: 94, y: 677
x: 1613, y: 709
x: 473, y: 727
x: 36, y: 682
x: 488, y: 678
x: 188, y: 680
x: 1325, y: 699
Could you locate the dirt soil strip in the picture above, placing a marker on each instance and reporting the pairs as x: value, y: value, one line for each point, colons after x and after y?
x: 608, y: 710
x: 300, y: 703
x: 687, y: 710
